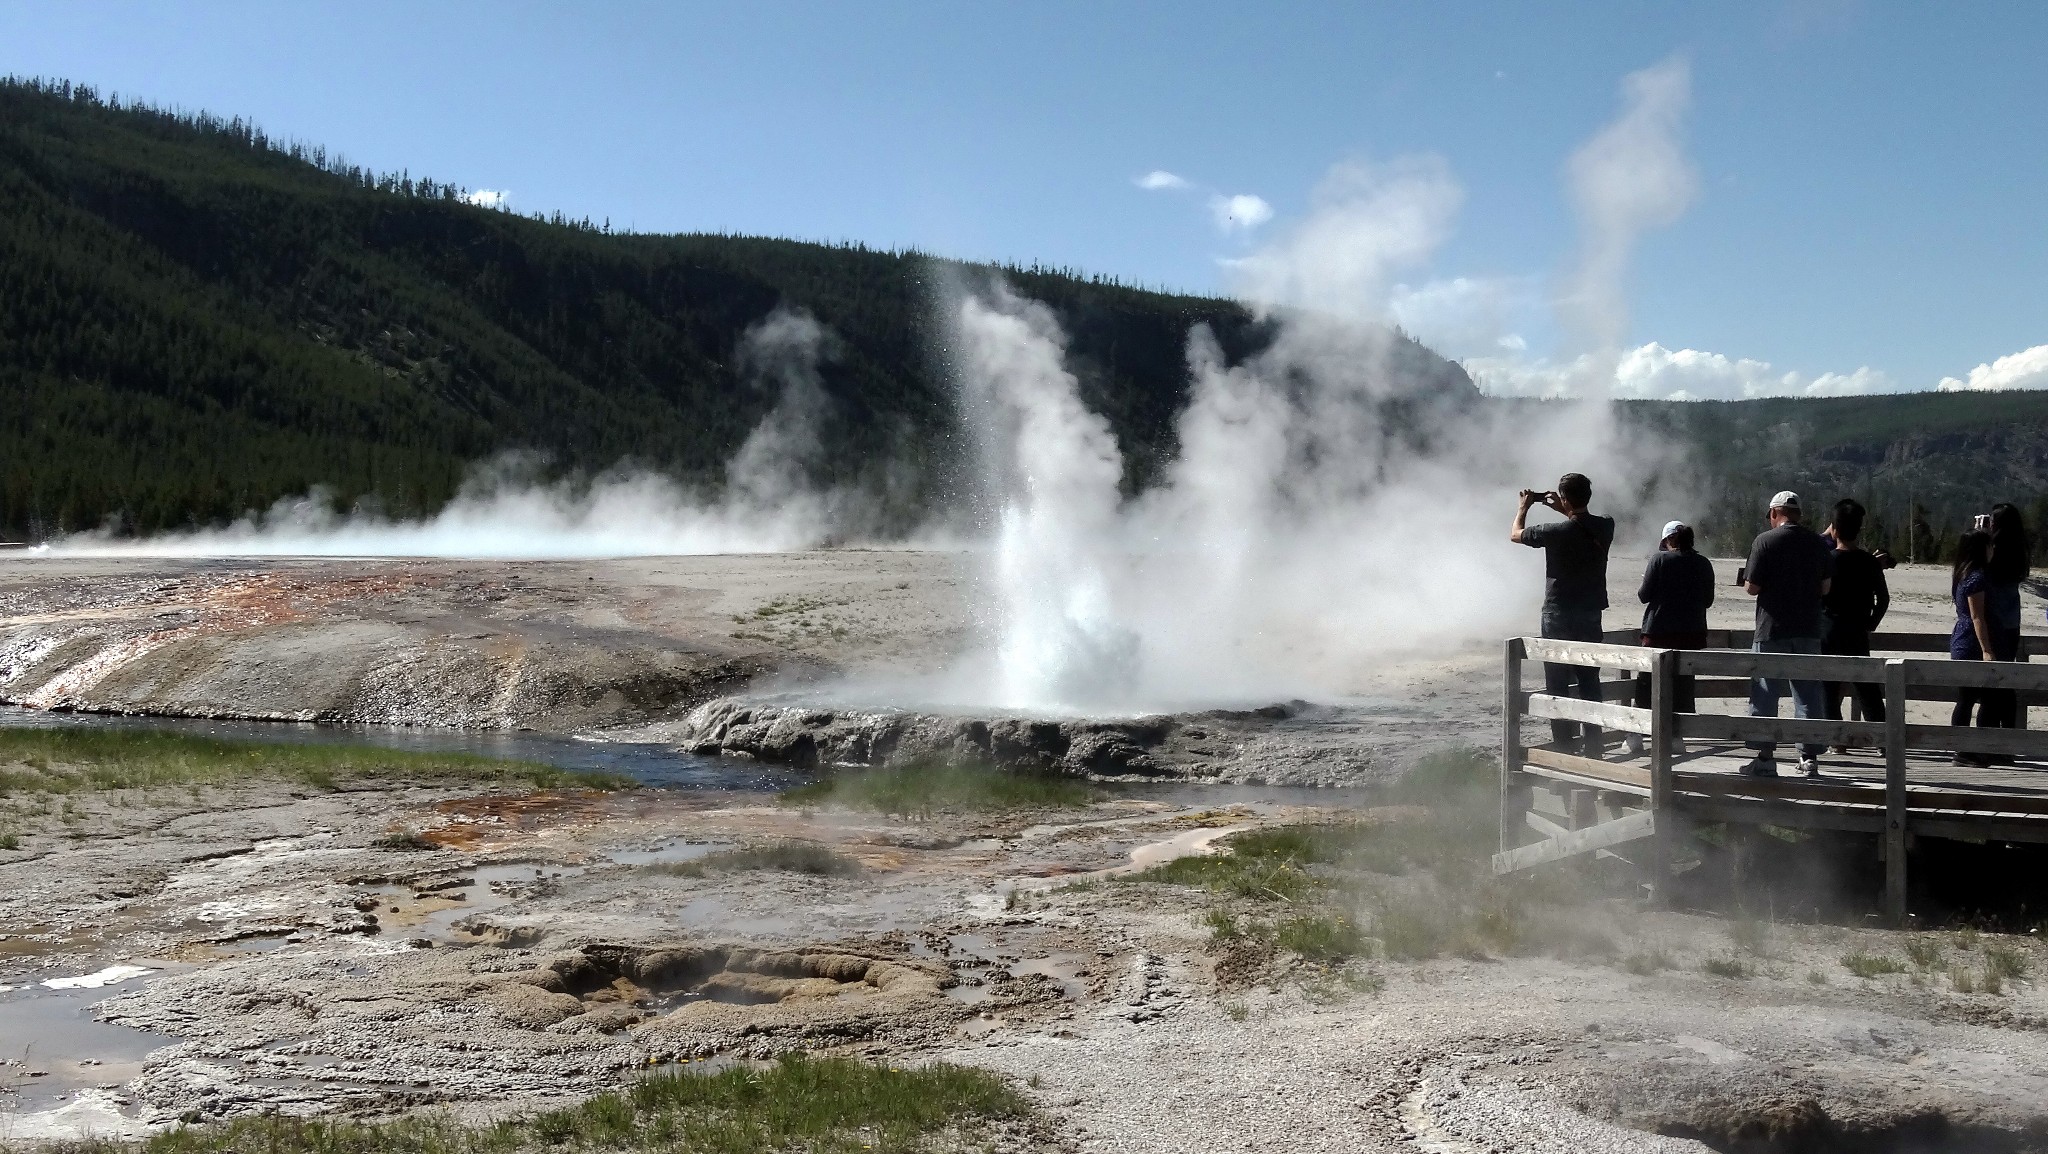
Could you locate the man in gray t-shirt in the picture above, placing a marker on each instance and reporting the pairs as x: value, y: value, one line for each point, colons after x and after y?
x: 1790, y: 570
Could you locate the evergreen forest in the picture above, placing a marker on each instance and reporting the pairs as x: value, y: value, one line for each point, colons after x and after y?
x: 197, y: 319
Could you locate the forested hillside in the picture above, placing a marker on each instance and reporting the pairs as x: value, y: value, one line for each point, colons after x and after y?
x: 1923, y: 463
x: 196, y: 320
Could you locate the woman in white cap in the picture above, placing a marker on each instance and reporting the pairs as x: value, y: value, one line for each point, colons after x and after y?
x: 1678, y: 586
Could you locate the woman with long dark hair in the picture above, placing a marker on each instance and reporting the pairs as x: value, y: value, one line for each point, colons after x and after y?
x: 2008, y: 566
x: 1972, y: 639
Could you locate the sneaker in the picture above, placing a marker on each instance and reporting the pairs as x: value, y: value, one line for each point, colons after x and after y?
x: 1810, y: 766
x: 1635, y: 744
x: 1760, y: 767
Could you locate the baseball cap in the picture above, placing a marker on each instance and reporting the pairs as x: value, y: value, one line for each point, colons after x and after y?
x: 1786, y: 499
x: 1670, y: 527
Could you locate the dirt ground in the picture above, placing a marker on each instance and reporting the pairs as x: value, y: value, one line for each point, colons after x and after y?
x: 220, y: 952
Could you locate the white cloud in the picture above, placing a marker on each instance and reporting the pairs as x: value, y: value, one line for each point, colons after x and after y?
x: 489, y: 197
x: 1653, y: 372
x: 1158, y: 179
x: 1241, y: 213
x: 2027, y: 369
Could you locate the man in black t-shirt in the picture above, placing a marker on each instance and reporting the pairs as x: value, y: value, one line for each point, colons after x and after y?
x: 1855, y: 603
x: 1574, y: 593
x: 1788, y: 574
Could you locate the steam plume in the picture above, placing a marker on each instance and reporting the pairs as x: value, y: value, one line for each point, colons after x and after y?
x: 1631, y: 177
x: 772, y: 500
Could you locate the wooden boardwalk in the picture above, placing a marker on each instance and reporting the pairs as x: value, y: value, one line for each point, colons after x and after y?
x: 1897, y: 781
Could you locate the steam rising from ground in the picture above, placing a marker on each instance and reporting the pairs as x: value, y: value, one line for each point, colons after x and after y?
x: 772, y: 500
x: 1325, y: 511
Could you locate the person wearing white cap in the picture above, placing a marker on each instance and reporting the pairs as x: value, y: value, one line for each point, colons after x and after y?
x: 1677, y: 589
x: 1789, y: 572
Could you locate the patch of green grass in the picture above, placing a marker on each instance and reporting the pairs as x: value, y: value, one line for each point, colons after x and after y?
x: 1962, y: 978
x: 1816, y: 978
x: 1726, y: 968
x: 1865, y: 965
x: 815, y: 1105
x: 1236, y: 1010
x: 927, y: 785
x: 1222, y: 926
x: 801, y: 857
x: 1320, y: 937
x: 10, y: 841
x: 77, y: 760
x: 1924, y: 952
x: 2007, y: 963
x: 1239, y: 875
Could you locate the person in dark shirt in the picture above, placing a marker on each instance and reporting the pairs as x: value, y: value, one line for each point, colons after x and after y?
x: 1974, y: 637
x: 1788, y: 574
x: 2008, y: 566
x: 1574, y: 593
x: 1855, y: 603
x: 1677, y: 590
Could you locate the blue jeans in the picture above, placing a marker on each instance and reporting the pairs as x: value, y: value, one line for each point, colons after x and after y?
x: 1559, y: 679
x: 1765, y: 692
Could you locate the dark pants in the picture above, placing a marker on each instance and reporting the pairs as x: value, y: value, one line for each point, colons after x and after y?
x: 1559, y: 679
x: 1852, y: 643
x: 1681, y: 688
x: 1996, y: 708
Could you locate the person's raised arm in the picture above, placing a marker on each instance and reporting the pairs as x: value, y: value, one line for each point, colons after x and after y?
x: 1529, y: 497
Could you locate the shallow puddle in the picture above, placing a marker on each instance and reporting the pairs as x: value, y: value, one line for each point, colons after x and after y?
x: 1069, y: 970
x: 56, y: 1048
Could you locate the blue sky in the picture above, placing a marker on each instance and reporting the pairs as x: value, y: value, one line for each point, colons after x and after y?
x: 1870, y: 179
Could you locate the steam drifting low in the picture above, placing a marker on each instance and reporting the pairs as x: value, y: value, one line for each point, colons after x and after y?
x: 1325, y: 509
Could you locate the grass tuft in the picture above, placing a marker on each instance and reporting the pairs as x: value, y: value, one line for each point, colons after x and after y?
x: 71, y: 760
x: 1865, y: 965
x: 927, y: 785
x: 1726, y: 968
x: 816, y: 1105
x: 2007, y: 963
x: 1924, y: 952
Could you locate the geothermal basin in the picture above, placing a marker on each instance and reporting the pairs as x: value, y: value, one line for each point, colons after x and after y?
x: 373, y: 947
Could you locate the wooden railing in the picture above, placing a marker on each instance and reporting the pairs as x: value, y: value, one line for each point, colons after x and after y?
x: 1722, y: 673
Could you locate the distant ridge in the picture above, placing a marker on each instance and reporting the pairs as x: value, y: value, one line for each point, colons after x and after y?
x: 196, y: 319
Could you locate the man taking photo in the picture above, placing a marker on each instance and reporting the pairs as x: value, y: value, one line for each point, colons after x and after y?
x: 1574, y: 593
x: 1789, y: 572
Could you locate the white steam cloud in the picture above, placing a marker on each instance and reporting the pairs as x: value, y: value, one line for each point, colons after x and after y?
x: 1322, y: 514
x: 1631, y: 177
x: 771, y: 501
x: 489, y: 197
x: 1367, y: 223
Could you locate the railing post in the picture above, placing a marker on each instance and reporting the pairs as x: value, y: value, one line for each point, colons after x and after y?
x: 1511, y: 745
x: 1895, y: 791
x: 1663, y: 738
